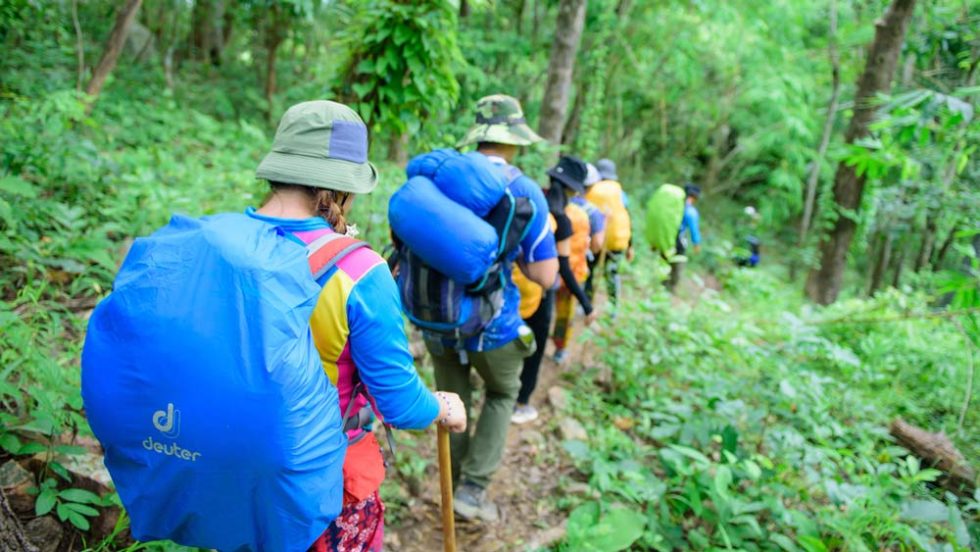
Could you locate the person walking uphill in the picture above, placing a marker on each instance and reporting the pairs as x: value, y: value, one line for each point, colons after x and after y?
x: 317, y: 165
x: 498, y: 352
x: 206, y: 373
x: 691, y: 223
x: 567, y: 179
x: 670, y: 212
x: 608, y: 196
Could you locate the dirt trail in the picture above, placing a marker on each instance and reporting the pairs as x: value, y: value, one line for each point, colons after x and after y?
x: 528, y: 481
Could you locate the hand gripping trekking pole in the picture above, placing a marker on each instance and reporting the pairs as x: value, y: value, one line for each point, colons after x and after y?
x: 446, y: 486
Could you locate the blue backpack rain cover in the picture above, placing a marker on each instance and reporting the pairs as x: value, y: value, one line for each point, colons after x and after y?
x: 201, y: 380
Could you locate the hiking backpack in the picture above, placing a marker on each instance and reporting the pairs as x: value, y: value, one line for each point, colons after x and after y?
x: 202, y: 382
x: 665, y: 210
x: 607, y: 195
x: 453, y: 225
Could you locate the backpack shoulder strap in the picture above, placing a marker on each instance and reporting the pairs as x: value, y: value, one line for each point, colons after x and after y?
x: 512, y: 173
x: 326, y: 251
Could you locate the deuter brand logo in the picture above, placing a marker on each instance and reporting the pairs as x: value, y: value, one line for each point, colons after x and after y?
x: 167, y: 422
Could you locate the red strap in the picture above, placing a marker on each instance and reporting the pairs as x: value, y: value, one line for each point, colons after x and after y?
x: 330, y: 253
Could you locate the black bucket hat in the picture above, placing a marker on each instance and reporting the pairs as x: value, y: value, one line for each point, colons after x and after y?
x: 570, y: 171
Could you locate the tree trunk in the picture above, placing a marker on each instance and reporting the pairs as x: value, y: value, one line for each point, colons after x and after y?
x: 11, y: 533
x: 464, y: 9
x: 398, y: 149
x: 937, y: 263
x: 824, y: 283
x: 79, y: 45
x: 568, y: 34
x: 899, y: 263
x: 928, y: 242
x: 570, y: 132
x: 208, y: 36
x: 884, y: 255
x: 810, y: 201
x: 114, y: 45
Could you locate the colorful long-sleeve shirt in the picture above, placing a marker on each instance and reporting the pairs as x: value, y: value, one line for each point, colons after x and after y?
x: 359, y: 331
x: 690, y: 223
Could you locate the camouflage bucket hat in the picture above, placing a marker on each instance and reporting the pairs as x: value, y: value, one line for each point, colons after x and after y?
x: 321, y: 144
x: 499, y: 119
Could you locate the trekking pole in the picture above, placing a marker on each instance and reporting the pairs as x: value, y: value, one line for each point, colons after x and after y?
x: 446, y: 486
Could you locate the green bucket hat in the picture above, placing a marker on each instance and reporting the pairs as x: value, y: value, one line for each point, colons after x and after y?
x: 499, y: 119
x: 321, y: 144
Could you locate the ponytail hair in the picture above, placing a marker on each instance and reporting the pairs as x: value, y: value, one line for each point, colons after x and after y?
x: 327, y: 204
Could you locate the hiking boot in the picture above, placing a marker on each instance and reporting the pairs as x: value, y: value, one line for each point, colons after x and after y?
x: 524, y: 413
x: 560, y: 356
x: 471, y: 503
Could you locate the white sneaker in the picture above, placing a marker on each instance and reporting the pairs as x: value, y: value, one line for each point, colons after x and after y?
x: 524, y: 413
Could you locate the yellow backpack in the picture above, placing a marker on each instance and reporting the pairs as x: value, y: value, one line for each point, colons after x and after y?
x: 607, y: 195
x: 531, y: 292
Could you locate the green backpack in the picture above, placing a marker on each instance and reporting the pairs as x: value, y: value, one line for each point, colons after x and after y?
x: 664, y: 213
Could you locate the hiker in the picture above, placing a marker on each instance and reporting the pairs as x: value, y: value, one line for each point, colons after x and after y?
x: 317, y: 166
x: 664, y: 213
x: 567, y: 179
x: 750, y: 255
x: 498, y: 351
x: 588, y: 235
x: 206, y: 372
x: 691, y: 224
x: 597, y: 220
x: 609, y: 197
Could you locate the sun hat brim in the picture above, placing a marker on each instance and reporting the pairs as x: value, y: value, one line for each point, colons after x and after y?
x: 318, y: 172
x: 569, y: 182
x: 516, y: 135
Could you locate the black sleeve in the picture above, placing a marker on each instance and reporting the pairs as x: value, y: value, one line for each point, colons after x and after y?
x: 567, y: 276
x: 564, y: 227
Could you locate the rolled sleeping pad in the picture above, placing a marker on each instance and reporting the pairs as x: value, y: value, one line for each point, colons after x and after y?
x: 447, y: 236
x: 470, y: 180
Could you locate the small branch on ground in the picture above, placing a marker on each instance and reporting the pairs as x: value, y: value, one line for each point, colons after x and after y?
x: 938, y: 452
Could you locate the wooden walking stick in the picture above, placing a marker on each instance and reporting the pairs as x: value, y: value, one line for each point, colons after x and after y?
x: 446, y: 486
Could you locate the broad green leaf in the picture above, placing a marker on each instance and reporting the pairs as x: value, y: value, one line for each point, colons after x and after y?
x: 80, y: 495
x: 45, y: 502
x: 812, y: 544
x: 78, y: 520
x: 692, y: 454
x: 81, y: 509
x: 10, y: 443
x: 723, y: 478
x: 17, y: 186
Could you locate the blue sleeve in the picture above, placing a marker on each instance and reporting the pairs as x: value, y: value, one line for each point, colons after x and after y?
x: 626, y: 200
x: 539, y: 243
x: 691, y: 219
x: 379, y: 348
x: 597, y: 220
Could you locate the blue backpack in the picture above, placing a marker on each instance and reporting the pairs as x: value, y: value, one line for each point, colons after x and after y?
x: 201, y: 380
x: 454, y: 223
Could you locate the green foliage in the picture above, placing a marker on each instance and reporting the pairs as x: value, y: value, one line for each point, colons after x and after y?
x: 756, y: 425
x: 402, y: 63
x: 754, y: 422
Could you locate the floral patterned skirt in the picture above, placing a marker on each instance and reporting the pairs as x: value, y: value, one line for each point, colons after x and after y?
x: 360, y: 527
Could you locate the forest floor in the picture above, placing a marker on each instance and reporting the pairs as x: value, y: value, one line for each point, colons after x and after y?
x: 534, y: 471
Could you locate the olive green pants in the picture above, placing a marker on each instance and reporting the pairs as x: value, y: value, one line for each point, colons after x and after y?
x: 476, y: 457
